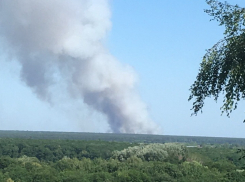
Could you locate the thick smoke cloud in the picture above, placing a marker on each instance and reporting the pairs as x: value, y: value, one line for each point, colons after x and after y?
x: 62, y: 41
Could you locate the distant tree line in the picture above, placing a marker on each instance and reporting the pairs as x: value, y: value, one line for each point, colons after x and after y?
x: 97, y: 161
x: 115, y: 137
x: 54, y: 150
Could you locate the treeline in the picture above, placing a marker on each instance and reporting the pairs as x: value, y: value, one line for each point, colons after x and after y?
x: 100, y: 170
x: 133, y: 138
x: 77, y: 160
x: 54, y: 150
x: 222, y: 157
x: 114, y: 161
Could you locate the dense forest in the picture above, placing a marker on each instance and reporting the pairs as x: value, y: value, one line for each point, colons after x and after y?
x: 63, y: 160
x: 120, y: 137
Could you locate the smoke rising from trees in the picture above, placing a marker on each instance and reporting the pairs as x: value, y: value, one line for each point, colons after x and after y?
x: 62, y: 41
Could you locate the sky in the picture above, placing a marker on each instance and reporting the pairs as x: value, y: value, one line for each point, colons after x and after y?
x: 163, y: 41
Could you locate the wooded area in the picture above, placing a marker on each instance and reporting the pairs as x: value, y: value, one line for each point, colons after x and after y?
x: 98, y: 160
x: 120, y: 137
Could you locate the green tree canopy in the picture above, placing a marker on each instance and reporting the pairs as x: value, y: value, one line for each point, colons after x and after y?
x: 222, y: 70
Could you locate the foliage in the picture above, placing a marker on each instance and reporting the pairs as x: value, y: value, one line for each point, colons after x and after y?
x: 149, y: 152
x: 144, y: 171
x: 81, y: 139
x: 153, y: 152
x: 139, y: 163
x: 54, y: 150
x: 222, y: 70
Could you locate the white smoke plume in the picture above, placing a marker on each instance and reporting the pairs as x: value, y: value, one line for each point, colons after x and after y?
x: 62, y: 41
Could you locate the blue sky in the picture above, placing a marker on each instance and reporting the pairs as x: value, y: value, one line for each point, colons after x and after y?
x: 164, y: 41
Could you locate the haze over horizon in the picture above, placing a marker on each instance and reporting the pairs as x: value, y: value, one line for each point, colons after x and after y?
x: 123, y: 67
